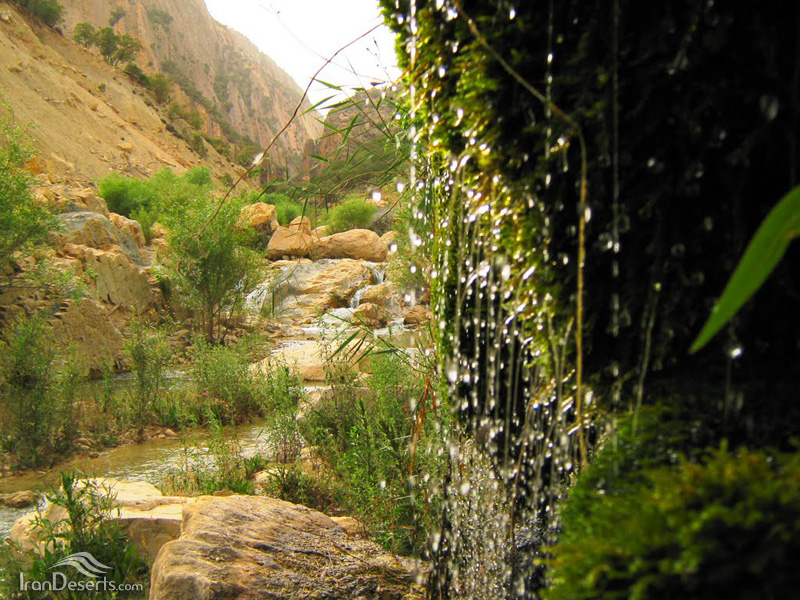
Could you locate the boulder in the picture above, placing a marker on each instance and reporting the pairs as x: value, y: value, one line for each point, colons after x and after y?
x: 294, y: 240
x: 260, y: 216
x: 116, y: 279
x: 359, y: 244
x: 302, y: 291
x: 307, y: 359
x: 149, y: 518
x: 302, y: 223
x: 370, y: 315
x: 417, y: 315
x: 389, y: 240
x: 130, y: 227
x: 246, y: 547
x: 380, y: 294
x: 94, y: 230
x: 21, y: 499
x: 320, y: 231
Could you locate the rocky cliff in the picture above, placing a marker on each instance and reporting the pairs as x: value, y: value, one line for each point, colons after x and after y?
x: 246, y: 89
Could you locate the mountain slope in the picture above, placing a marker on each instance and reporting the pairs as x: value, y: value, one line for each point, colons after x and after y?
x: 85, y: 118
x: 246, y: 87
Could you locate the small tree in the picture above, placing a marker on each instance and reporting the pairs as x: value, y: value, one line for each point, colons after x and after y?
x: 85, y: 34
x: 127, y: 48
x: 162, y: 87
x: 213, y: 266
x: 107, y: 42
x: 22, y: 221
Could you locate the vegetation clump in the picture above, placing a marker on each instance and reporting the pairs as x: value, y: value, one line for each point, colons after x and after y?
x: 354, y: 212
x: 50, y: 12
x: 726, y: 527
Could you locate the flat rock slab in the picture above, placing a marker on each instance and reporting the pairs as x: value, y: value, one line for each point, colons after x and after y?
x: 248, y: 547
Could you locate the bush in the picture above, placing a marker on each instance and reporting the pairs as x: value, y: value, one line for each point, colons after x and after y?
x: 227, y: 390
x: 161, y: 86
x: 144, y: 200
x: 205, y: 470
x: 39, y: 404
x: 727, y: 528
x: 86, y: 527
x: 365, y: 436
x: 22, y: 221
x: 353, y: 213
x: 135, y: 71
x: 148, y: 351
x: 49, y: 12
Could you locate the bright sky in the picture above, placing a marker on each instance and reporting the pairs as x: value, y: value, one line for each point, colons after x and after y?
x: 300, y: 35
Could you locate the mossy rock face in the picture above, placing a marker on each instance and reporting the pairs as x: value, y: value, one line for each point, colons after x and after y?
x: 681, y: 121
x: 689, y: 116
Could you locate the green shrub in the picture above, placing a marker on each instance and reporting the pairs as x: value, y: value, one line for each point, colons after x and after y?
x: 86, y: 527
x: 116, y: 15
x: 353, y: 213
x: 161, y: 86
x: 204, y: 470
x: 197, y: 145
x: 22, y: 220
x: 227, y: 390
x: 286, y: 208
x: 147, y: 351
x: 365, y: 437
x: 144, y: 200
x: 727, y: 528
x: 49, y: 12
x: 135, y: 71
x: 85, y: 34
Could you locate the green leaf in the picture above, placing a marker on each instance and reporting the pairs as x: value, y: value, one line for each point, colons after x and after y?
x: 763, y: 253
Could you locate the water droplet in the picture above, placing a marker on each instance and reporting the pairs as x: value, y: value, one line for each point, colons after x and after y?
x: 735, y: 351
x: 393, y: 247
x: 769, y: 106
x: 587, y: 214
x: 375, y: 195
x: 512, y: 14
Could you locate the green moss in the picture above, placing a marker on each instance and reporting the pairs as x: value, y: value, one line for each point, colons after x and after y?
x: 726, y: 528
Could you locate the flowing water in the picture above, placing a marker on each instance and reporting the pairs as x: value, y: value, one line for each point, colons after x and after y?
x: 132, y: 462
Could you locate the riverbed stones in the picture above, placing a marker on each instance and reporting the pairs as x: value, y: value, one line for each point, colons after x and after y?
x: 149, y: 518
x: 360, y: 244
x: 417, y: 315
x: 370, y: 315
x: 294, y: 240
x: 21, y: 499
x: 247, y: 547
x: 260, y: 216
x: 303, y: 291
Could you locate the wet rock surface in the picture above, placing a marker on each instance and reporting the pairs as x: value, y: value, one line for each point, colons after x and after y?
x: 246, y: 547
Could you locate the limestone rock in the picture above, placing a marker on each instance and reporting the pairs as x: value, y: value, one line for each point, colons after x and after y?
x: 116, y: 279
x: 380, y: 294
x: 320, y: 231
x: 305, y: 358
x: 360, y: 244
x: 246, y: 547
x: 85, y: 324
x: 129, y: 226
x: 94, y: 230
x: 302, y: 291
x: 149, y: 518
x: 417, y: 315
x: 370, y: 315
x: 21, y: 499
x: 303, y: 223
x: 389, y: 240
x: 260, y: 216
x: 295, y: 240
